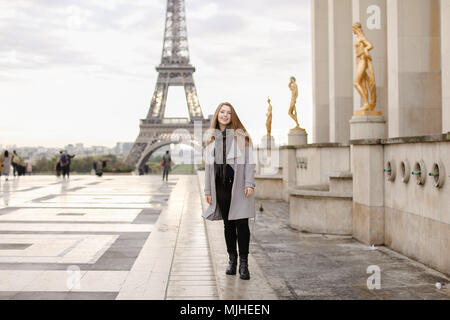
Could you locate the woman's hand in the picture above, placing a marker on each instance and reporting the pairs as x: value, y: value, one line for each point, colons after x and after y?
x: 248, y: 192
x: 208, y: 199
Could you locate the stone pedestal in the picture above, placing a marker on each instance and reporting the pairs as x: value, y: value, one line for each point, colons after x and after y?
x: 297, y: 137
x: 268, y: 157
x: 367, y: 125
x: 368, y: 177
x: 267, y: 142
x: 368, y: 193
x: 288, y: 160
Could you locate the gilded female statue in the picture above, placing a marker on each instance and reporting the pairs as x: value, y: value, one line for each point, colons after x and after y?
x: 365, y: 77
x: 292, y: 109
x: 269, y: 119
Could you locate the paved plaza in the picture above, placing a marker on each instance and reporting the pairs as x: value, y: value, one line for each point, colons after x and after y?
x: 137, y: 237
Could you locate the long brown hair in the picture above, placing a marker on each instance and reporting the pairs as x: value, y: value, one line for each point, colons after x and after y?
x: 235, y: 124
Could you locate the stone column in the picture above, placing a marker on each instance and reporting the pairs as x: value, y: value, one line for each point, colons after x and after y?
x: 445, y: 52
x: 367, y: 153
x: 321, y: 93
x: 372, y: 16
x: 340, y: 68
x: 414, y: 77
x: 368, y: 192
x: 288, y: 155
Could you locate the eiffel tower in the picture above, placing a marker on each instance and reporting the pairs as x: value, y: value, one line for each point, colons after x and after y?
x: 175, y: 70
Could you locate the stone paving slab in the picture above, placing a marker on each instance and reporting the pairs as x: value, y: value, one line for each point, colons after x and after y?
x: 175, y: 262
x: 192, y: 262
x: 79, y: 238
x: 232, y: 287
x: 94, y: 249
x: 302, y: 266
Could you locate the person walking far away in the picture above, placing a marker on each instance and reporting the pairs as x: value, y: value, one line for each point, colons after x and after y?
x: 94, y: 167
x: 167, y: 160
x: 6, y: 163
x: 64, y: 160
x: 13, y: 163
x: 230, y: 184
x: 18, y: 164
x: 69, y: 157
x: 58, y: 165
x: 98, y: 168
x: 29, y: 168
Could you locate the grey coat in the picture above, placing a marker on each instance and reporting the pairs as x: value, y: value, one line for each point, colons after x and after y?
x: 167, y: 162
x: 6, y: 165
x: 244, y: 176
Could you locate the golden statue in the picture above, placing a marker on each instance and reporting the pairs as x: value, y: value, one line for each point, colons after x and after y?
x: 365, y: 77
x: 269, y: 119
x: 293, y: 109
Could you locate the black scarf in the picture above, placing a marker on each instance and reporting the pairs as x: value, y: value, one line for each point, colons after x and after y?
x: 220, y: 163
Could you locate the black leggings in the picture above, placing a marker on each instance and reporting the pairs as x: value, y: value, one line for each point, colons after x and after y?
x: 235, y: 230
x: 65, y: 171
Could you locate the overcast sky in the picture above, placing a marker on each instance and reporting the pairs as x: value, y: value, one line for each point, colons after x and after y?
x: 84, y: 71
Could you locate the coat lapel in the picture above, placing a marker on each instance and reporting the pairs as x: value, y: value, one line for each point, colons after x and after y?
x: 232, y: 148
x: 233, y: 151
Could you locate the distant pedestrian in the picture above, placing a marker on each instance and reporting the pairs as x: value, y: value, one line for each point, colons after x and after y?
x: 64, y: 160
x: 58, y: 165
x: 13, y: 163
x: 166, y: 162
x: 230, y: 184
x: 69, y: 157
x: 94, y: 166
x: 18, y: 164
x: 6, y: 163
x: 29, y: 168
x: 98, y: 168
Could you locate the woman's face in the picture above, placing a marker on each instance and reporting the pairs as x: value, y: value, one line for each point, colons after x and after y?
x: 225, y: 115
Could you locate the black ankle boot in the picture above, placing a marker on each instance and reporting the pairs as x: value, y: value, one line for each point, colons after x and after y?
x: 232, y: 265
x: 243, y: 268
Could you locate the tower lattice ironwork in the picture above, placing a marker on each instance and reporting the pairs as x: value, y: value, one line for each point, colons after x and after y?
x: 175, y: 70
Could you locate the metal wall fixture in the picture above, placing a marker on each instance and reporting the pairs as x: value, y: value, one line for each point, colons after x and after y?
x: 420, y: 172
x: 438, y: 174
x: 391, y: 170
x: 302, y: 163
x: 405, y: 169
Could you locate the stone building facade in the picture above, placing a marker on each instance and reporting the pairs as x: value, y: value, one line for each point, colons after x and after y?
x: 384, y: 183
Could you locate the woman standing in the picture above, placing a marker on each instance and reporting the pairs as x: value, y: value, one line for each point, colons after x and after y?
x: 6, y: 162
x: 230, y: 184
